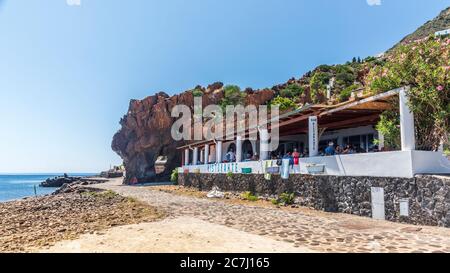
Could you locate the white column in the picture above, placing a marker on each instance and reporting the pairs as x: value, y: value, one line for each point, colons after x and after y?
x: 238, y: 149
x: 264, y: 144
x: 206, y: 154
x: 195, y: 157
x: 313, y: 136
x: 186, y: 157
x: 441, y: 146
x: 406, y: 123
x: 219, y: 152
x: 380, y: 141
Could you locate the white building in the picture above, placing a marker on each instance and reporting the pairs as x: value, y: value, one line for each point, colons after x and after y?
x: 311, y: 128
x: 443, y: 32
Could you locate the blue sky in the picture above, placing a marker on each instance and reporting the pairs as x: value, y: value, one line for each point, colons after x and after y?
x: 67, y: 72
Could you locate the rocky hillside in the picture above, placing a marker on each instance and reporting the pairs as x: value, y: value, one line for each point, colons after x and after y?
x: 441, y: 22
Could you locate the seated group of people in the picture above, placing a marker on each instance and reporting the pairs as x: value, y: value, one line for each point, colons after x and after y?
x: 294, y: 156
x: 347, y: 149
x: 230, y: 156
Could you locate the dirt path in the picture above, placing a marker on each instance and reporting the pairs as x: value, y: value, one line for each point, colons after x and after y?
x: 302, y: 229
x: 176, y: 235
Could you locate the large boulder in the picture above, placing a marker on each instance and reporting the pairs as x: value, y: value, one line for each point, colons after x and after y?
x: 146, y: 131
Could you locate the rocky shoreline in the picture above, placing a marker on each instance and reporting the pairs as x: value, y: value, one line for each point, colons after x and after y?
x: 34, y: 223
x: 60, y: 181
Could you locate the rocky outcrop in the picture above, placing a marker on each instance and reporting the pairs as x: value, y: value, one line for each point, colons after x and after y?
x: 146, y: 130
x: 59, y: 181
x: 79, y: 186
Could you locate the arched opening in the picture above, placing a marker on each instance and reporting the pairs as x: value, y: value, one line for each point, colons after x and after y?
x: 247, y: 150
x: 230, y: 155
x: 232, y: 148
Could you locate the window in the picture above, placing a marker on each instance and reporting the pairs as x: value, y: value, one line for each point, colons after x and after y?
x: 362, y: 143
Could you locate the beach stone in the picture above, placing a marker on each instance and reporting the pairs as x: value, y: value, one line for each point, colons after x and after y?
x: 42, y: 221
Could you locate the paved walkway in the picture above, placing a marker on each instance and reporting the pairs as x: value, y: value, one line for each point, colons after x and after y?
x: 302, y: 228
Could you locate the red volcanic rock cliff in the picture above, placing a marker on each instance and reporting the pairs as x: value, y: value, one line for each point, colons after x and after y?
x: 146, y: 130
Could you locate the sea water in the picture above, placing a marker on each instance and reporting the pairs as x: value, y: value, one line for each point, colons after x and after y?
x: 17, y: 186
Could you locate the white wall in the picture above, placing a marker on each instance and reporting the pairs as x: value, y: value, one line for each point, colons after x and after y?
x: 430, y: 163
x: 388, y: 164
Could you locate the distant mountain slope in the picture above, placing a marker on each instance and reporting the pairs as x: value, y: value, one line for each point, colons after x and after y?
x: 441, y: 22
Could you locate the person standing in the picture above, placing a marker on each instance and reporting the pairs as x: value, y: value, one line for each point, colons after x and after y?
x: 296, y: 156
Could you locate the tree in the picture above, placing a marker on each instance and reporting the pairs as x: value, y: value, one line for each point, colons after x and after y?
x: 292, y: 91
x: 232, y: 96
x: 283, y: 103
x: 197, y: 92
x: 424, y: 66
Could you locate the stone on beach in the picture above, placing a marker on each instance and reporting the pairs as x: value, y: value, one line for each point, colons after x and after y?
x: 38, y: 222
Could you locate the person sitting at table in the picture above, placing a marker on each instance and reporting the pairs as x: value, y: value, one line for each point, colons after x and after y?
x: 339, y: 150
x: 349, y: 149
x: 255, y: 157
x: 330, y: 151
x: 230, y: 156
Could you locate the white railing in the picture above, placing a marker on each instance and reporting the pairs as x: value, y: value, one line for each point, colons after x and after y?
x: 225, y: 168
x: 386, y: 164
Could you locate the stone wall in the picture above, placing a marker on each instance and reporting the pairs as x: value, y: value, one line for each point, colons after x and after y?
x: 429, y: 196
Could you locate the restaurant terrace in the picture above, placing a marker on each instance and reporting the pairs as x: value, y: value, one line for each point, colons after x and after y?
x: 348, y: 126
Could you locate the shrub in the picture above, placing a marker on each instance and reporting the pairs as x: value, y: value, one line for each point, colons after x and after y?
x: 292, y: 91
x: 232, y: 96
x: 346, y: 93
x: 287, y: 198
x: 370, y: 59
x: 318, y: 84
x: 389, y: 126
x: 424, y: 66
x: 283, y: 103
x: 230, y: 175
x: 174, y: 176
x: 249, y: 196
x: 324, y: 68
x: 380, y: 80
x: 345, y: 75
x: 197, y: 92
x: 275, y: 201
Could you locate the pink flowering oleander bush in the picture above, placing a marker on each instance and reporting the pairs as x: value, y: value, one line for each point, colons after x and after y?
x: 424, y: 66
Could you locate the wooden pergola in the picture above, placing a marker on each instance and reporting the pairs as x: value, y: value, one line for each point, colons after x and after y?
x: 361, y: 111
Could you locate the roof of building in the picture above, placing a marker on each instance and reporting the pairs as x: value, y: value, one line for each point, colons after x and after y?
x: 359, y: 111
